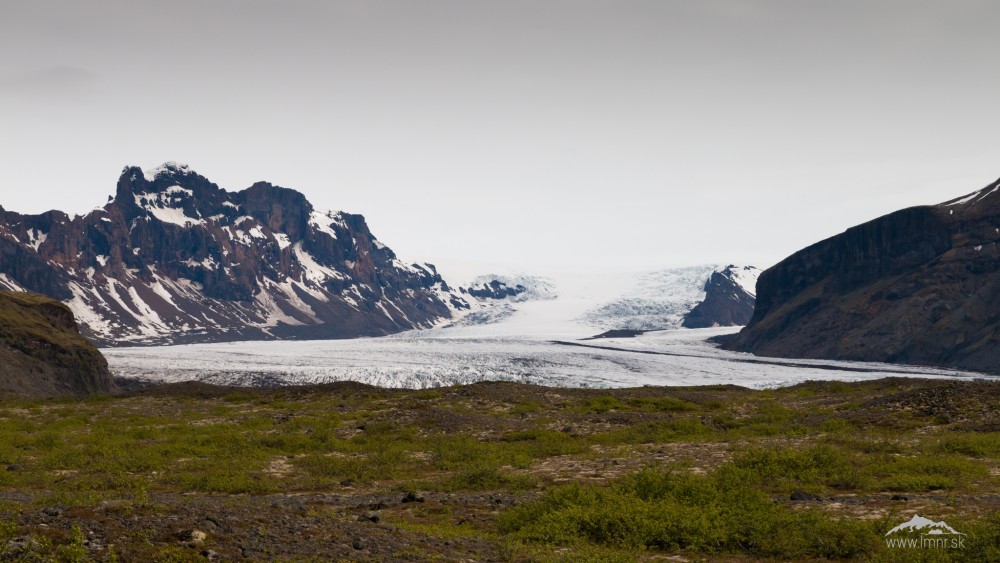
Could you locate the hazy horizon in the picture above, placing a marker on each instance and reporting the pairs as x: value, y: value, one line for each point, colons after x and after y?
x: 627, y: 134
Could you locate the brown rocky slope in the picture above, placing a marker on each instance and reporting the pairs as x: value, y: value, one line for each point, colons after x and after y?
x: 918, y: 286
x: 42, y: 352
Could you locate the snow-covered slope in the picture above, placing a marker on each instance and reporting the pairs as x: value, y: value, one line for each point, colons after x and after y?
x: 655, y: 300
x: 745, y: 277
x: 578, y: 304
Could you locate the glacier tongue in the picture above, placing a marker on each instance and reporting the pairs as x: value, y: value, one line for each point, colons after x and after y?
x: 581, y: 304
x: 432, y: 358
x: 532, y: 341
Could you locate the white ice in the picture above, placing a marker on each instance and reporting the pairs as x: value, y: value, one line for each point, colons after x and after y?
x: 542, y: 342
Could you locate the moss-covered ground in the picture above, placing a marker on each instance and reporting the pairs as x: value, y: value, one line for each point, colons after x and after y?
x: 501, y: 472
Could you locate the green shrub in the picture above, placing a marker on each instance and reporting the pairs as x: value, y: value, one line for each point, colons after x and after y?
x: 672, y: 430
x: 75, y: 551
x: 654, y: 510
x: 667, y: 404
x: 926, y: 472
x: 226, y: 480
x: 525, y: 407
x: 488, y: 479
x: 785, y: 469
x: 427, y: 395
x: 985, y: 444
x: 601, y: 404
x: 7, y: 532
x: 836, y: 426
x: 538, y: 443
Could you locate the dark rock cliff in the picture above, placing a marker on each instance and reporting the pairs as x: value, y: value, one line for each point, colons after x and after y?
x: 42, y: 352
x: 175, y: 258
x: 920, y: 286
x: 729, y: 299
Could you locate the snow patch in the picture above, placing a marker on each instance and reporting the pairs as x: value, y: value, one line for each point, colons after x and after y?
x: 745, y: 277
x: 208, y: 263
x: 36, y: 238
x: 165, y: 168
x: 975, y: 196
x: 322, y: 221
x: 163, y: 206
x: 313, y: 270
x: 8, y: 284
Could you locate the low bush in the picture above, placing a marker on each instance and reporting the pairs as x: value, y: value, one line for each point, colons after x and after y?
x: 675, y: 511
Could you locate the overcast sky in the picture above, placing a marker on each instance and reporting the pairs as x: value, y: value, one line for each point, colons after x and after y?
x: 603, y: 134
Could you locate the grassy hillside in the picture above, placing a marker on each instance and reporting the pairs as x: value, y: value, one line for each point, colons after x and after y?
x: 501, y: 472
x: 41, y: 351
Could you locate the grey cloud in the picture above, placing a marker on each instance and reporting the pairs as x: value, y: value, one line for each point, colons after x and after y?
x: 63, y: 82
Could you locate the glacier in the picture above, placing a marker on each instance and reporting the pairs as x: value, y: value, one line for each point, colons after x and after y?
x: 541, y: 341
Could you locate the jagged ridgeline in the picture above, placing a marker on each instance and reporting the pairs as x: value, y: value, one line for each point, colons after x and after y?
x: 730, y: 295
x: 174, y: 258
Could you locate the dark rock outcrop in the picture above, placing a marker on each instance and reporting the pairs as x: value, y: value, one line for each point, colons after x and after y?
x: 42, y: 352
x: 729, y: 299
x: 918, y: 286
x: 494, y: 289
x: 514, y: 288
x: 174, y: 258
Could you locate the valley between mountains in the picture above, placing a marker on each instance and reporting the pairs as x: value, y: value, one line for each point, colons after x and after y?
x: 173, y: 259
x: 274, y: 383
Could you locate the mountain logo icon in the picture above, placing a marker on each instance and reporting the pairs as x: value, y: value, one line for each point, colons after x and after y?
x: 924, y: 526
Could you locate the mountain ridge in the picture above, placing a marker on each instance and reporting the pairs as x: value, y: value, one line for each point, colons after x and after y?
x: 172, y: 258
x: 730, y: 295
x: 915, y: 286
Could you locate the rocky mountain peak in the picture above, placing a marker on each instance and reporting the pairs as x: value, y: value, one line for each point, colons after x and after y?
x: 174, y: 257
x: 164, y: 177
x: 730, y: 296
x: 169, y: 168
x: 283, y: 210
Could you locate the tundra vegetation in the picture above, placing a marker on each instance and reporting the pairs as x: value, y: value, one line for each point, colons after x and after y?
x: 500, y: 471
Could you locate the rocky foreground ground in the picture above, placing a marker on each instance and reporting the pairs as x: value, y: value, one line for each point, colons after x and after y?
x: 500, y: 472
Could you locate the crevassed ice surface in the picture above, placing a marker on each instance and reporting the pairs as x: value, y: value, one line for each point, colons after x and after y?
x: 537, y: 341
